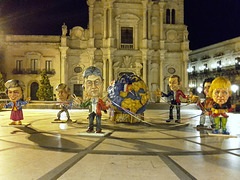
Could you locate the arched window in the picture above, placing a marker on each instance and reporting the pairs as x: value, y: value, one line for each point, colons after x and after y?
x: 173, y: 16
x: 168, y: 16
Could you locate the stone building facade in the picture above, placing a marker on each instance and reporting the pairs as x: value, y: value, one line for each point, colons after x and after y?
x: 221, y: 59
x: 148, y: 39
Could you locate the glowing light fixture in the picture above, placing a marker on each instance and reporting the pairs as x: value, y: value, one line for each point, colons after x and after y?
x: 234, y: 88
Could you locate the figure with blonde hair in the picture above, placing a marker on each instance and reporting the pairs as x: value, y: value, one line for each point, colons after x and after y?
x: 220, y: 91
x: 14, y: 90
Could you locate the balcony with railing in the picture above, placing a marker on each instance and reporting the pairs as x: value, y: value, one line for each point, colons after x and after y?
x: 18, y: 71
x: 126, y: 46
x: 33, y: 71
x: 50, y: 71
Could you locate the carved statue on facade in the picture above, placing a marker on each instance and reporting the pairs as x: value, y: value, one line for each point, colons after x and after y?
x: 64, y: 30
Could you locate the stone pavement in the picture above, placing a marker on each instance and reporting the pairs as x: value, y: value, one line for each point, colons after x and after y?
x: 45, y: 150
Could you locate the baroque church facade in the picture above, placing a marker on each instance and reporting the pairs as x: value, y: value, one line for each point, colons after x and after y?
x: 148, y: 39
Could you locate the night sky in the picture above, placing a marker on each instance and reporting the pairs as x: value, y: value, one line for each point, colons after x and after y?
x: 208, y: 21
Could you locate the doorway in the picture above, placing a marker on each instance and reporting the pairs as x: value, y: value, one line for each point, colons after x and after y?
x: 34, y: 89
x: 78, y: 90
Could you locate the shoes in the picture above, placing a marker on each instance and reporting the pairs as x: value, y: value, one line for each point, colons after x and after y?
x: 19, y: 123
x: 57, y: 120
x: 178, y: 121
x: 69, y: 120
x: 98, y: 131
x: 213, y: 126
x: 215, y: 131
x: 169, y: 120
x: 89, y: 130
x: 12, y: 123
x: 225, y: 132
x: 200, y: 126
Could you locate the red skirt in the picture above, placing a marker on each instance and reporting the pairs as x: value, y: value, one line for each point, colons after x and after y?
x: 16, y: 115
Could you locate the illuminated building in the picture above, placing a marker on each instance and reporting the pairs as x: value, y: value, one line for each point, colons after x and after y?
x: 221, y: 59
x: 148, y: 39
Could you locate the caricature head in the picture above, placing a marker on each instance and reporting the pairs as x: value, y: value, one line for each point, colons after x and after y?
x: 93, y: 82
x: 63, y: 92
x: 174, y: 82
x: 220, y: 90
x: 14, y: 89
x: 206, y: 85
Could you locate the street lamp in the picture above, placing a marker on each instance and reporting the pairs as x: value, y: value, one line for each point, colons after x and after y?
x: 199, y: 89
x: 234, y: 88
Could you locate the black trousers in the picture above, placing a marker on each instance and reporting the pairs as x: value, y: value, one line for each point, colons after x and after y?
x: 174, y: 103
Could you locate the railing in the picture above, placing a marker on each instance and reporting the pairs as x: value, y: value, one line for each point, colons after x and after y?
x: 126, y: 46
x: 31, y: 71
x: 50, y: 71
x: 18, y: 71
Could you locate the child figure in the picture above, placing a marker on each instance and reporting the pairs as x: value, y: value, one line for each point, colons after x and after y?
x: 206, y: 105
x: 14, y: 89
x: 220, y: 91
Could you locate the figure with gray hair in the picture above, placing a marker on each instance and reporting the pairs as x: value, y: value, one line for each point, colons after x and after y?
x: 65, y: 102
x: 14, y: 90
x: 93, y: 84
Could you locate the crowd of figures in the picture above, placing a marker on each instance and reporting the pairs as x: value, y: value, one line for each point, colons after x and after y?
x: 215, y: 106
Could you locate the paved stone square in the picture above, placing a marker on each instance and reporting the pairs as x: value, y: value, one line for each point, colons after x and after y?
x: 152, y: 150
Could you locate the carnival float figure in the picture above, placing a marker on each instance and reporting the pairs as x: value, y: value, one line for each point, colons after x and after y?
x: 220, y: 91
x: 65, y: 103
x: 14, y: 90
x: 174, y: 97
x: 93, y: 86
x: 206, y: 105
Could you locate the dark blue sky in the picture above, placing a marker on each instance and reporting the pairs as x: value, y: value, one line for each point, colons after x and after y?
x: 208, y: 21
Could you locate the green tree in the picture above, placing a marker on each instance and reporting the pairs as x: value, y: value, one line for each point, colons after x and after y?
x: 2, y: 86
x: 45, y: 91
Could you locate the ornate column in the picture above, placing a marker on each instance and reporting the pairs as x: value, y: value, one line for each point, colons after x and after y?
x: 63, y: 65
x: 145, y: 70
x: 105, y: 22
x: 161, y: 10
x: 110, y: 60
x: 144, y: 61
x: 144, y: 19
x: 149, y: 74
x: 149, y: 19
x: 184, y: 68
x: 110, y: 20
x: 90, y: 3
x: 105, y: 73
x: 161, y: 59
x: 185, y: 57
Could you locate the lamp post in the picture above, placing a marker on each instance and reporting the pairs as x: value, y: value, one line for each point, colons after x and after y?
x: 234, y: 89
x: 199, y: 90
